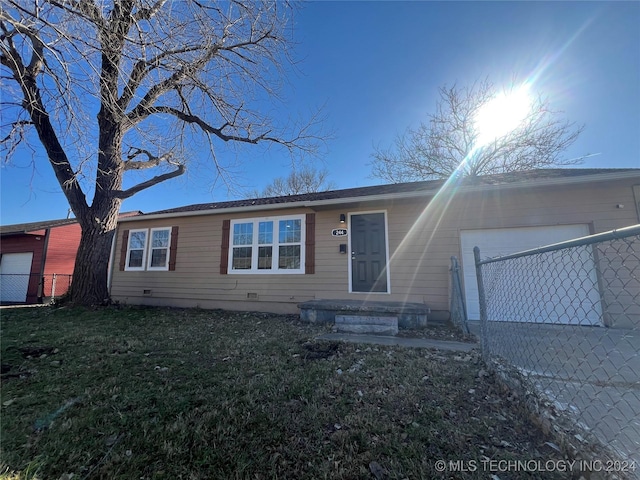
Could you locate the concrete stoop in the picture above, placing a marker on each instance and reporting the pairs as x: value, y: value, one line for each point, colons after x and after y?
x: 377, y: 316
x: 366, y: 324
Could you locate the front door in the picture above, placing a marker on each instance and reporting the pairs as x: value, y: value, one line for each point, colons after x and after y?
x: 368, y: 253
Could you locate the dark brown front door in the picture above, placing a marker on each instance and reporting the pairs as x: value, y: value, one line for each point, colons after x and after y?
x: 368, y: 253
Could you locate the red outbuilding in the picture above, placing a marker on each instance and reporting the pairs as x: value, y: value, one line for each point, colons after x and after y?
x: 32, y: 255
x: 37, y: 259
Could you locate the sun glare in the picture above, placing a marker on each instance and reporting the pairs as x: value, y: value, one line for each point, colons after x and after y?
x: 502, y: 114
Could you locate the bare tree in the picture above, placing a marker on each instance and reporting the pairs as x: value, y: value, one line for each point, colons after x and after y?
x: 448, y: 143
x: 137, y: 86
x: 303, y: 180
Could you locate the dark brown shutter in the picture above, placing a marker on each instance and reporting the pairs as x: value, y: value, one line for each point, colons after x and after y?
x: 173, y: 251
x: 123, y: 249
x: 310, y: 244
x: 224, y: 249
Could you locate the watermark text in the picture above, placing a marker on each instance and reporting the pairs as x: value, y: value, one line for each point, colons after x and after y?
x: 497, y: 466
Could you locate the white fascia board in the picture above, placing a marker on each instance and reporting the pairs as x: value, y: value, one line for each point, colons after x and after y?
x: 393, y: 196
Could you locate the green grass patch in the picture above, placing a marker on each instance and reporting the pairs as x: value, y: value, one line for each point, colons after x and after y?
x: 162, y: 393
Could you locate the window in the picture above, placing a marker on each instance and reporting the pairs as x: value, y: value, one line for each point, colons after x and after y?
x: 267, y: 245
x: 242, y: 235
x: 159, y: 249
x: 149, y: 249
x: 289, y: 238
x: 136, y: 250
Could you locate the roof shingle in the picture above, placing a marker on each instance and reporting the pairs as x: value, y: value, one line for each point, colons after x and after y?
x: 428, y: 185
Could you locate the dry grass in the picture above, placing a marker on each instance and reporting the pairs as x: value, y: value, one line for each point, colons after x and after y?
x: 159, y: 393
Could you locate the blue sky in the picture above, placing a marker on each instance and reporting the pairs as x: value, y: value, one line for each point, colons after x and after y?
x: 375, y: 68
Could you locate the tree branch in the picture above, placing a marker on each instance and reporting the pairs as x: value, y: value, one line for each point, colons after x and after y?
x: 143, y: 68
x: 25, y: 77
x: 152, y: 161
x: 447, y: 143
x: 218, y: 132
x: 17, y: 130
x: 143, y: 108
x: 123, y: 194
x: 148, y: 13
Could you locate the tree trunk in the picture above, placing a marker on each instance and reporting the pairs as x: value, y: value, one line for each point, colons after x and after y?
x: 98, y: 224
x: 89, y: 286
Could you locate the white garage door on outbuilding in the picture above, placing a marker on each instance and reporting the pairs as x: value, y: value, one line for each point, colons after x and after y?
x: 14, y: 276
x: 505, y: 241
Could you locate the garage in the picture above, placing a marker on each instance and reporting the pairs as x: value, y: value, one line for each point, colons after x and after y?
x: 14, y: 276
x: 582, y: 307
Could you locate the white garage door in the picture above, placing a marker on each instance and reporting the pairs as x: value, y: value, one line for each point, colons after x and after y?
x: 581, y: 306
x: 14, y: 276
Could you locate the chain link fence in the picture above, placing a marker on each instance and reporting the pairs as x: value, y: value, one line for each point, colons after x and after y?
x: 561, y: 324
x: 33, y: 288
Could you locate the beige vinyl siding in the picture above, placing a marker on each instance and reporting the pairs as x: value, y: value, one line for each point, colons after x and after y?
x: 421, y: 242
x: 197, y: 281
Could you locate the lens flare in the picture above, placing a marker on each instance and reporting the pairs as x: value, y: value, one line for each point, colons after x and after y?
x: 502, y: 114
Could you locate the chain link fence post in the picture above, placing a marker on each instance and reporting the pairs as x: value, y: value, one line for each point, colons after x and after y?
x: 457, y: 307
x: 484, y: 330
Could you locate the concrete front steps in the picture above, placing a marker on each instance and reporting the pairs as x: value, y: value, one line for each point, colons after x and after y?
x: 366, y: 324
x: 365, y: 317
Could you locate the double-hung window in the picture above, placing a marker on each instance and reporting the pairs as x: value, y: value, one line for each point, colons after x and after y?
x: 267, y: 245
x: 159, y: 249
x: 136, y: 250
x: 148, y: 249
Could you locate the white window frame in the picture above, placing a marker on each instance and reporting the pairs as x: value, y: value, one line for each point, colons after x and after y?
x: 275, y: 252
x: 151, y: 248
x: 144, y: 250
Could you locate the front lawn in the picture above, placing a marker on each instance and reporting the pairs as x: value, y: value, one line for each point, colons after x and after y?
x: 162, y: 393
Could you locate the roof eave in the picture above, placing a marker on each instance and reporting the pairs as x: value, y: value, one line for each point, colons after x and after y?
x: 546, y: 182
x: 34, y: 233
x: 214, y: 211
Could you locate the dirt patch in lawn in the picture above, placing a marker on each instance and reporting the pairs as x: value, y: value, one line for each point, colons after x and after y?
x: 162, y: 393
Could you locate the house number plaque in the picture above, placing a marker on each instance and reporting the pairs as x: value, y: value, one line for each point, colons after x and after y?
x: 339, y: 232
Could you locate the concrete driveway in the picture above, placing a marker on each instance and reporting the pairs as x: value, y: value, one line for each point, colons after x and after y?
x: 591, y: 372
